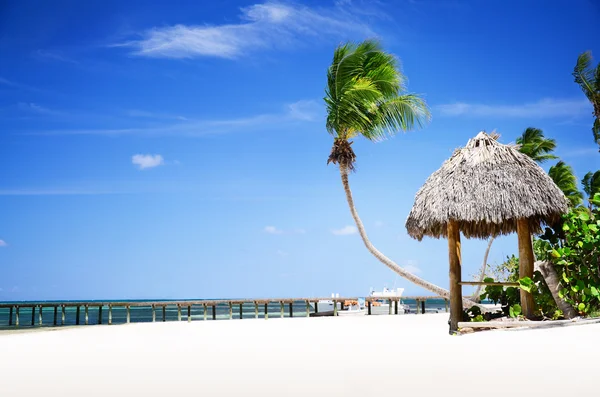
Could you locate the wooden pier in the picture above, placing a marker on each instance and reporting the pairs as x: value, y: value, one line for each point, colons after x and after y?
x: 15, y: 310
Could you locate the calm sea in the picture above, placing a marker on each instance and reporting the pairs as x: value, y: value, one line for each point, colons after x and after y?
x: 144, y: 314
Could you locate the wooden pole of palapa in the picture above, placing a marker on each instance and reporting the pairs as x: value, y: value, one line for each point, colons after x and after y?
x: 525, y: 264
x: 456, y: 307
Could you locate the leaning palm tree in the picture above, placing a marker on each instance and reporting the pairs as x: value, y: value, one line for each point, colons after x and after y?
x: 591, y: 185
x: 588, y: 79
x: 563, y: 176
x: 365, y: 97
x: 534, y: 144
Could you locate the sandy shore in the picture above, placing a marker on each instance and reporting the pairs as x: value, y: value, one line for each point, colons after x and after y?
x: 345, y: 356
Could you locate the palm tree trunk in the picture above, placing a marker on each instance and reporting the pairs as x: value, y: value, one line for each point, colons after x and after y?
x: 384, y: 259
x: 554, y: 285
x: 477, y: 293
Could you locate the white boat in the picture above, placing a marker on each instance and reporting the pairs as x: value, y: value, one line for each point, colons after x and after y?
x: 326, y: 305
x: 357, y: 309
x: 381, y: 305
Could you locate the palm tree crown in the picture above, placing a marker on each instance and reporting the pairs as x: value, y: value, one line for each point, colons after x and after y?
x: 534, y: 144
x: 563, y: 177
x: 591, y: 184
x: 364, y: 96
x: 588, y: 79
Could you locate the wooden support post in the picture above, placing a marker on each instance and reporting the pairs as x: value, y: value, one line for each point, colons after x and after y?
x: 63, y: 315
x: 417, y: 303
x: 281, y: 310
x: 266, y: 311
x: 291, y: 310
x: 307, y: 309
x: 255, y: 309
x: 525, y: 265
x: 230, y: 310
x: 164, y: 313
x: 40, y: 316
x: 446, y: 305
x: 369, y: 308
x: 335, y: 307
x: 10, y: 316
x: 423, y: 306
x: 178, y: 312
x: 390, y: 307
x: 100, y: 314
x: 86, y: 315
x: 316, y: 307
x: 17, y: 316
x: 153, y: 313
x: 128, y: 315
x: 343, y: 305
x: 396, y: 306
x: 241, y: 311
x: 77, y: 312
x: 33, y: 315
x: 189, y: 313
x: 454, y: 256
x: 214, y: 312
x: 55, y: 315
x: 109, y: 314
x: 205, y: 309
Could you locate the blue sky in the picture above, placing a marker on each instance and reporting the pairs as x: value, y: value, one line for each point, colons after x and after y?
x: 178, y: 149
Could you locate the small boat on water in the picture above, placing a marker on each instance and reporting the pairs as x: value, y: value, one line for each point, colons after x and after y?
x: 381, y: 305
x: 353, y: 308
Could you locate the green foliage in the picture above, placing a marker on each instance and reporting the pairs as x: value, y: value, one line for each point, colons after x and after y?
x: 588, y: 79
x: 563, y: 176
x: 509, y: 297
x: 364, y: 94
x: 534, y: 144
x: 574, y: 250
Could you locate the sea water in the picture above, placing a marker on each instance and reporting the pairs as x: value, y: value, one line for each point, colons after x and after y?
x: 140, y: 314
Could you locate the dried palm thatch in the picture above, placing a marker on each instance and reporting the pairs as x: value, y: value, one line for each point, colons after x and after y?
x: 485, y: 186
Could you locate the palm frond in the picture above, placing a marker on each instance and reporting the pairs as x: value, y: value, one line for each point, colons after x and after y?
x: 585, y: 76
x: 534, y: 144
x: 563, y: 176
x: 402, y: 113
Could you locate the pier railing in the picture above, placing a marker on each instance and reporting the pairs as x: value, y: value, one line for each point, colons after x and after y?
x: 208, y: 309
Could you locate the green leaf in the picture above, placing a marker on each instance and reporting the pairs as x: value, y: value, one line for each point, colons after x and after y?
x: 581, y: 306
x: 565, y: 227
x: 515, y: 310
x: 555, y: 253
x: 594, y: 291
x: 526, y: 284
x: 584, y: 216
x: 593, y: 227
x: 567, y: 279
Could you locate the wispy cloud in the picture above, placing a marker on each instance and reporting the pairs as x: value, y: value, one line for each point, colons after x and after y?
x: 346, y: 230
x: 152, y: 115
x: 3, y: 243
x: 411, y: 266
x: 37, y: 109
x: 275, y: 230
x: 578, y: 152
x: 272, y: 230
x: 297, y: 112
x: 48, y: 55
x: 262, y: 26
x: 545, y: 108
x: 145, y: 161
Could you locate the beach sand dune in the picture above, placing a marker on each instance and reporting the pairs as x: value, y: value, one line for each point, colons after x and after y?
x: 344, y: 356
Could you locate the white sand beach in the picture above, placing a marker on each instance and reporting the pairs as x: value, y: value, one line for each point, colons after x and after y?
x: 344, y: 356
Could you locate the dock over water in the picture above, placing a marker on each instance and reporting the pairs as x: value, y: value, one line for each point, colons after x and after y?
x: 56, y: 313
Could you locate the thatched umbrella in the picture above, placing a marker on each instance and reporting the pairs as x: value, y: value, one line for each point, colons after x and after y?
x: 486, y: 189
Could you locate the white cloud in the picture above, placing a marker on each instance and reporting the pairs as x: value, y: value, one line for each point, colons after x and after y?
x: 144, y: 161
x: 346, y: 230
x: 262, y: 26
x: 411, y: 266
x: 272, y: 230
x: 545, y: 108
x: 292, y: 114
x: 151, y: 115
x: 35, y: 108
x: 3, y: 243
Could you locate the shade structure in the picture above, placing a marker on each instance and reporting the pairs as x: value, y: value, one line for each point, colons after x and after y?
x: 486, y: 189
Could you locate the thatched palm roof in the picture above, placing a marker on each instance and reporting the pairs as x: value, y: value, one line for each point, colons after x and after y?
x: 485, y: 186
